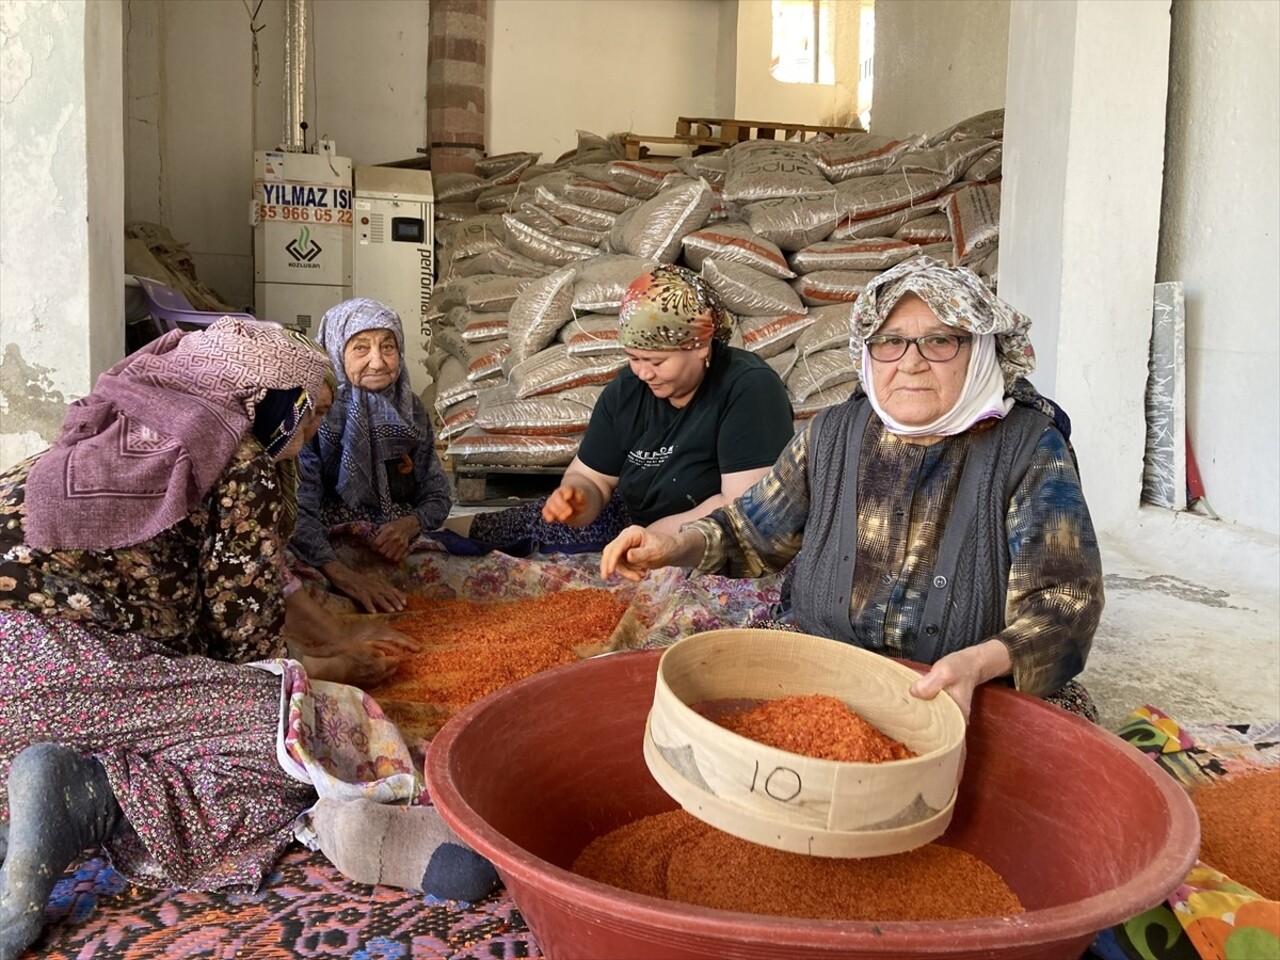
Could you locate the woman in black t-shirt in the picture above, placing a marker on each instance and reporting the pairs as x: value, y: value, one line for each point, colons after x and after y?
x: 687, y: 428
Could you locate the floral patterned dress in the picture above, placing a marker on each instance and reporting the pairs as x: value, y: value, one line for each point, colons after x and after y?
x: 94, y: 655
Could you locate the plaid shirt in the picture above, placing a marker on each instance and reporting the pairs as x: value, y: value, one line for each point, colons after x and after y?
x: 905, y: 491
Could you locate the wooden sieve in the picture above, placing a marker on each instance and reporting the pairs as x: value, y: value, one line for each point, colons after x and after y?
x: 784, y: 800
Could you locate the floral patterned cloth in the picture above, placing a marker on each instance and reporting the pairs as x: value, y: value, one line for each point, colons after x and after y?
x: 1209, y: 916
x: 212, y: 584
x: 671, y: 308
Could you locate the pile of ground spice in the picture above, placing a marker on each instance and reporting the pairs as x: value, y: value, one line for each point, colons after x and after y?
x: 1240, y: 829
x: 676, y: 857
x: 472, y: 649
x: 815, y: 726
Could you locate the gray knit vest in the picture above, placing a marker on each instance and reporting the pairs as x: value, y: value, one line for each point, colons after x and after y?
x: 965, y: 603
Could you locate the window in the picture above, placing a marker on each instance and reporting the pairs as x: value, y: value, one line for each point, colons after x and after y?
x: 803, y: 41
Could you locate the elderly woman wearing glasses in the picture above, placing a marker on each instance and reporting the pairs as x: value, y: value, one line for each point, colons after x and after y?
x: 937, y: 517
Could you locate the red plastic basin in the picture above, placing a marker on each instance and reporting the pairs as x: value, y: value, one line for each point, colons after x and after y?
x: 1086, y: 830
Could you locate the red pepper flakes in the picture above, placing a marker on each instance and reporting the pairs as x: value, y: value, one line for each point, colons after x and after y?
x: 1240, y: 830
x: 473, y: 649
x: 816, y: 726
x: 679, y: 858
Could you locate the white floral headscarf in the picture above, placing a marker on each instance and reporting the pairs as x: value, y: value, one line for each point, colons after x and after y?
x: 958, y: 298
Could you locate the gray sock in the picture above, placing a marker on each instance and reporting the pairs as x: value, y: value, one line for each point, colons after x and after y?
x: 407, y: 847
x: 60, y: 804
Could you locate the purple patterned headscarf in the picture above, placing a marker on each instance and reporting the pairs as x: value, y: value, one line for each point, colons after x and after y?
x: 364, y: 429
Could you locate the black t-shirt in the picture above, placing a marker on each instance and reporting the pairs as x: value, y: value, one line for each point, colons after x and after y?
x: 670, y: 459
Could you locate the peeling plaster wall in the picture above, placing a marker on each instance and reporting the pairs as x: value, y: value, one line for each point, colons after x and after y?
x: 194, y: 115
x: 1219, y: 236
x: 61, y: 244
x: 937, y: 62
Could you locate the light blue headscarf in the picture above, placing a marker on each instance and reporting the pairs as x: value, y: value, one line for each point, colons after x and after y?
x: 364, y: 429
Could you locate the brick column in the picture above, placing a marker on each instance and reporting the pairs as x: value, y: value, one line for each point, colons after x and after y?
x: 456, y: 83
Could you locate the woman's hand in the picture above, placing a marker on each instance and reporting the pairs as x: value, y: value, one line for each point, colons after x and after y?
x: 565, y: 503
x: 363, y: 669
x: 376, y: 596
x: 378, y: 634
x: 637, y: 550
x: 960, y: 673
x: 393, y: 540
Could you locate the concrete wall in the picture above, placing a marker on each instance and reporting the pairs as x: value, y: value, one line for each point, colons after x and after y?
x: 557, y: 66
x: 1219, y: 236
x: 61, y: 192
x: 937, y: 62
x: 195, y: 115
x: 758, y: 96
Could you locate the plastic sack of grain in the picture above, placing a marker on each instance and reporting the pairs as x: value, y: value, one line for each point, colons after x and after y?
x: 446, y: 338
x: 532, y: 215
x: 539, y: 312
x: 539, y: 245
x: 602, y: 281
x: 819, y: 400
x: 656, y: 228
x: 479, y: 448
x: 517, y: 264
x: 950, y: 159
x: 481, y: 327
x: 749, y: 292
x: 455, y: 212
x: 593, y: 148
x: 435, y: 360
x: 735, y: 243
x: 553, y: 182
x: 766, y: 169
x: 492, y: 293
x: 458, y: 187
x: 825, y: 287
x: 820, y: 371
x: 974, y: 218
x: 865, y: 197
x: 452, y: 385
x: 711, y: 167
x: 499, y: 167
x: 880, y: 227
x: 935, y: 228
x: 945, y: 251
x: 857, y: 155
x: 987, y: 166
x: 560, y: 414
x: 566, y: 211
x: 794, y: 222
x: 876, y: 254
x: 552, y: 370
x: 488, y: 364
x: 600, y: 196
x: 457, y: 417
x: 470, y: 238
x: 497, y: 199
x: 989, y: 268
x: 769, y: 336
x: 470, y: 266
x: 639, y: 178
x: 783, y: 363
x: 986, y: 125
x: 830, y: 329
x: 595, y: 334
x: 572, y: 233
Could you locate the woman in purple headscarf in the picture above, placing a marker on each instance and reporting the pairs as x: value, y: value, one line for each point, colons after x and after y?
x: 374, y: 459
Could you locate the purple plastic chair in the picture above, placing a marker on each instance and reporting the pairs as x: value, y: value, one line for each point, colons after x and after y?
x: 171, y: 311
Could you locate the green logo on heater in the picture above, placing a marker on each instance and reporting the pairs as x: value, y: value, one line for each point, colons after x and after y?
x: 303, y: 249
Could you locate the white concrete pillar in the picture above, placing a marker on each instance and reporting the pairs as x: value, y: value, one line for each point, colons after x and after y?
x: 1080, y: 218
x: 62, y: 197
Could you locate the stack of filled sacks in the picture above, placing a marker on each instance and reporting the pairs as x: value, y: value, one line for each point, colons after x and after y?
x: 787, y: 233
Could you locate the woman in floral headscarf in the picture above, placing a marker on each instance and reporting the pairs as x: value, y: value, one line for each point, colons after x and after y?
x: 687, y: 428
x: 938, y: 516
x: 374, y: 459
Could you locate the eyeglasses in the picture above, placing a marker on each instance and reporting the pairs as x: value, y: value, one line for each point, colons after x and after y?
x: 936, y: 347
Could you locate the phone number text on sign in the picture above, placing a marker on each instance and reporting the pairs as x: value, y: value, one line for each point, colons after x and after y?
x: 269, y: 211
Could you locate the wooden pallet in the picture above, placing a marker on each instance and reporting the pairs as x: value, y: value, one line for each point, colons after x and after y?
x: 735, y: 131
x: 636, y: 146
x: 482, y: 484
